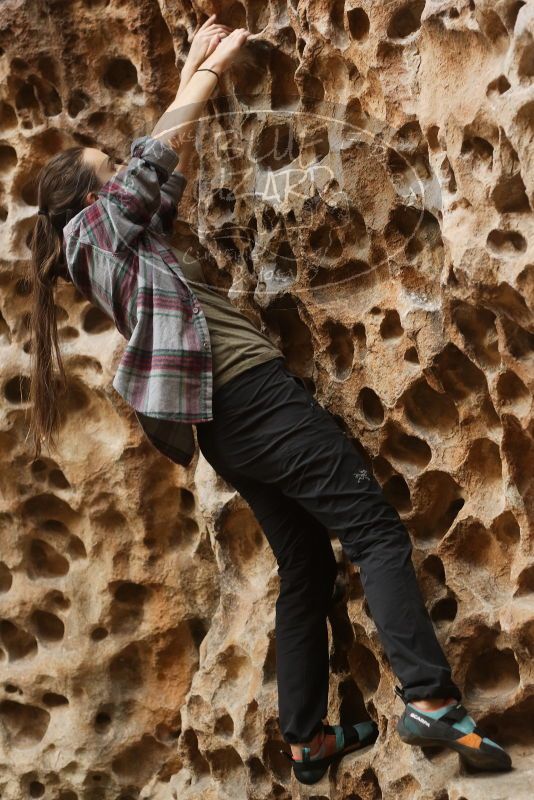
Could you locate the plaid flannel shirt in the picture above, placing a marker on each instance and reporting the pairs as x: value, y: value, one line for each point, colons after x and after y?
x: 118, y: 260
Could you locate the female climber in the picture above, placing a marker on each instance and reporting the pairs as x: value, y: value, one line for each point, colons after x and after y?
x: 192, y: 358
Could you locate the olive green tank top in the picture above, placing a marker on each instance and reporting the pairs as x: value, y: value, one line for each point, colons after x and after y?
x: 236, y: 343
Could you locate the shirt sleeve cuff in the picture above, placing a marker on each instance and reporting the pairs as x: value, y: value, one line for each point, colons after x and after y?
x: 155, y: 152
x: 175, y: 185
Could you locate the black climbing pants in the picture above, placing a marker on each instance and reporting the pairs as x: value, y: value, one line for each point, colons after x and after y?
x: 303, y: 479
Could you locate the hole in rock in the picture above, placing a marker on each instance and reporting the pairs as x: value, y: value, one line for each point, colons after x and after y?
x: 26, y: 99
x: 18, y: 642
x: 224, y: 725
x: 225, y: 762
x: 433, y: 565
x: 53, y: 700
x: 313, y: 90
x: 223, y: 201
x: 95, y: 321
x: 269, y: 665
x: 44, y: 561
x: 506, y: 530
x: 439, y: 502
x: 370, y: 406
x: 391, y: 327
x: 284, y: 90
x: 498, y: 86
x: 525, y: 67
x: 337, y: 281
x: 355, y: 116
x: 432, y: 136
x: 284, y: 322
x: 8, y: 158
x: 477, y: 326
x: 17, y: 389
x: 325, y: 243
x: 58, y: 479
x: 58, y: 599
x: 340, y: 349
x: 77, y: 102
x: 510, y: 11
x: 8, y: 117
x: 48, y: 627
x: 365, y: 672
x: 102, y: 721
x: 257, y: 16
x: 97, y: 119
x: 397, y: 493
x: 25, y: 725
x: 457, y: 373
x: 483, y: 463
x: 358, y: 23
x: 479, y: 149
x: 257, y: 771
x: 168, y: 734
x: 406, y: 20
x: 131, y: 593
x: 403, y: 223
x: 48, y: 97
x: 513, y: 393
x: 285, y: 264
x: 410, y: 452
x: 98, y: 634
x: 276, y: 147
x: 194, y: 756
x: 525, y: 582
x: 510, y: 196
x: 519, y: 342
x: 6, y: 578
x: 506, y: 243
x: 445, y: 610
x: 411, y: 355
x: 187, y: 500
x: 428, y: 409
x: 126, y: 668
x: 120, y: 74
x: 493, y: 672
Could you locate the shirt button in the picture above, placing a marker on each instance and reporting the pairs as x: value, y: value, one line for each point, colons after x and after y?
x: 196, y: 309
x: 206, y: 345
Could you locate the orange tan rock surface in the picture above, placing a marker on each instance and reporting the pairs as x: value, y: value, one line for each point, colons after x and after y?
x: 370, y: 206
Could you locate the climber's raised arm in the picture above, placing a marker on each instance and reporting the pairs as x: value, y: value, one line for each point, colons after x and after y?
x: 188, y: 105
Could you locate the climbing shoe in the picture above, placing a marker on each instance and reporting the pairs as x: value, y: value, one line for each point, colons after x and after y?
x: 310, y: 769
x: 451, y: 726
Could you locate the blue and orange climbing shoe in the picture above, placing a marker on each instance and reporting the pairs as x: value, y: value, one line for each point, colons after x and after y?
x: 451, y: 726
x: 310, y: 769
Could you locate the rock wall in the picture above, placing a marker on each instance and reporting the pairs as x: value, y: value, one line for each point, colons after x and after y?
x: 370, y: 206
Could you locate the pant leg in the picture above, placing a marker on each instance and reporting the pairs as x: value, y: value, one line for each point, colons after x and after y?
x: 271, y: 428
x: 307, y: 569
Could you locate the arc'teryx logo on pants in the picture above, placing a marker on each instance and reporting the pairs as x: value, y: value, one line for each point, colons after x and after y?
x: 361, y: 475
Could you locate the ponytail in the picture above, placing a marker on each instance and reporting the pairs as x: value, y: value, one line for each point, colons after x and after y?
x: 63, y: 184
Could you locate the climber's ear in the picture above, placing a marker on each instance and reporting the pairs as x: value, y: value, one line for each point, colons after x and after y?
x: 90, y: 197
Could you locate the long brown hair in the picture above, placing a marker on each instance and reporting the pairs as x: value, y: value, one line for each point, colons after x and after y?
x: 62, y: 186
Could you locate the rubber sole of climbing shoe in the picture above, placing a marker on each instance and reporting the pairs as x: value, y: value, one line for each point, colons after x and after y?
x: 350, y: 738
x: 417, y: 729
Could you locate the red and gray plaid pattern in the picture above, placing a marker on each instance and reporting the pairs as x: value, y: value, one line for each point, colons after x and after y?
x: 118, y: 260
